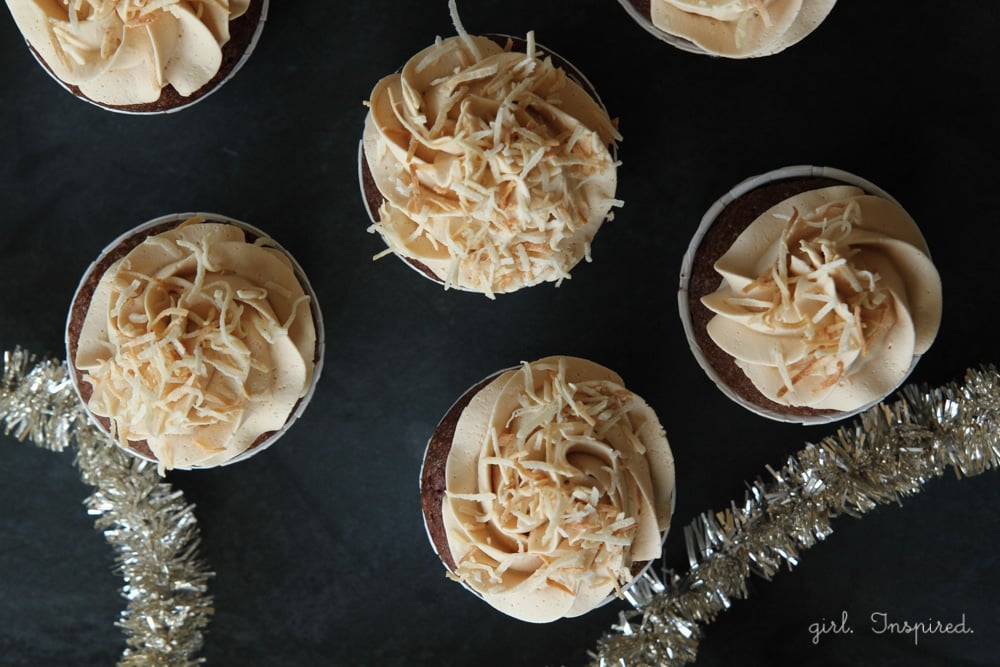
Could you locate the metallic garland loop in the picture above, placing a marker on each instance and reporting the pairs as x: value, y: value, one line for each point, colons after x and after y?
x: 151, y: 527
x: 888, y: 453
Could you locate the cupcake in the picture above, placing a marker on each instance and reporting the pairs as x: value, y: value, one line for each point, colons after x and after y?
x: 547, y: 488
x: 808, y: 294
x: 487, y: 164
x: 140, y: 56
x: 730, y: 28
x: 194, y: 341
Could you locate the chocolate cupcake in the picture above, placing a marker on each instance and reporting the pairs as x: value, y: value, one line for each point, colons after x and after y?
x: 194, y: 340
x: 140, y: 56
x: 547, y: 488
x: 808, y: 294
x: 729, y: 28
x: 488, y: 164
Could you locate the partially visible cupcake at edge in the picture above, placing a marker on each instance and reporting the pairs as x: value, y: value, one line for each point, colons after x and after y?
x: 810, y: 296
x: 140, y: 56
x: 487, y: 167
x: 547, y: 488
x: 194, y: 341
x: 730, y: 28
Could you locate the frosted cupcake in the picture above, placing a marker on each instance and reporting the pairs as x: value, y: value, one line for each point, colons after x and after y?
x: 487, y: 164
x: 140, y: 56
x: 730, y: 28
x: 547, y: 488
x: 194, y: 341
x: 808, y: 294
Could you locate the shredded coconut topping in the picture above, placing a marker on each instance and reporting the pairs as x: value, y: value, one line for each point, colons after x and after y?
x: 826, y: 299
x: 559, y: 487
x: 496, y: 175
x: 80, y: 39
x: 131, y: 14
x: 814, y: 288
x: 188, y: 343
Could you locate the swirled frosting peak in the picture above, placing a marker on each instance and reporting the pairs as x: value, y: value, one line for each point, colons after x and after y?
x: 494, y: 165
x: 826, y: 298
x: 122, y: 52
x: 559, y: 479
x: 198, y: 342
x: 740, y: 28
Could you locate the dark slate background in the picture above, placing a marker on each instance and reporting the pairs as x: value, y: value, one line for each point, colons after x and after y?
x: 318, y: 545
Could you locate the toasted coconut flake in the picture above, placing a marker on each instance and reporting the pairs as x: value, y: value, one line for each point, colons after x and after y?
x: 581, y: 532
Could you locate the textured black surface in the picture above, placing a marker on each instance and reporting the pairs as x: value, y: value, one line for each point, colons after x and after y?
x: 318, y: 545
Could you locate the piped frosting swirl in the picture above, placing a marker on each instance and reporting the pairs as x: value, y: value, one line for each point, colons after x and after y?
x: 124, y: 52
x: 494, y: 165
x: 740, y: 28
x: 197, y: 342
x: 559, y: 479
x: 826, y: 299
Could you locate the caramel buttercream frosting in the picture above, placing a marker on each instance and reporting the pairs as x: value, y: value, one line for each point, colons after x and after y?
x: 559, y: 481
x: 197, y: 342
x: 124, y: 52
x: 740, y: 28
x: 827, y: 299
x: 495, y: 166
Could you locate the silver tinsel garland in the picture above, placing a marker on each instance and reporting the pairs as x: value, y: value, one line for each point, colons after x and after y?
x: 890, y: 452
x: 150, y: 525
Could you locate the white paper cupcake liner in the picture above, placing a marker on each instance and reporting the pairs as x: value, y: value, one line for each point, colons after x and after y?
x: 153, y: 112
x: 687, y: 264
x: 300, y: 274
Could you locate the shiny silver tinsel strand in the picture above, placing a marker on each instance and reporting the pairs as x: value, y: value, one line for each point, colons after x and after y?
x: 150, y: 525
x: 890, y: 452
x: 36, y: 403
